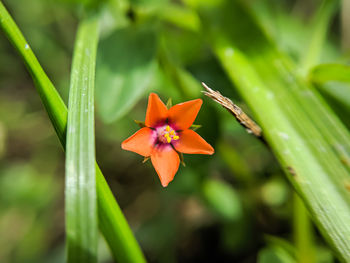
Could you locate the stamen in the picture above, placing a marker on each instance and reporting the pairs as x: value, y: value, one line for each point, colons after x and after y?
x: 166, y: 134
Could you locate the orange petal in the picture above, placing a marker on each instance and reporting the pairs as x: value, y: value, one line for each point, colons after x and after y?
x: 166, y: 162
x: 156, y: 110
x: 182, y: 115
x: 191, y: 142
x: 140, y: 142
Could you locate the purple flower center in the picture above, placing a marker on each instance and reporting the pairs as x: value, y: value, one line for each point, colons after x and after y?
x: 166, y: 134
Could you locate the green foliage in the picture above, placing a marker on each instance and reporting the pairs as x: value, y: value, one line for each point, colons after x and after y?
x: 223, y: 199
x: 108, y: 209
x: 296, y: 126
x: 122, y: 79
x: 24, y: 211
x: 303, y: 233
x: 274, y: 255
x: 330, y: 72
x: 46, y: 90
x: 319, y: 27
x: 263, y: 54
x: 80, y: 187
x: 332, y: 80
x: 113, y: 225
x: 182, y: 17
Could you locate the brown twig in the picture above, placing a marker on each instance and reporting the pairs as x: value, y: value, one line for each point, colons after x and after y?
x: 236, y: 111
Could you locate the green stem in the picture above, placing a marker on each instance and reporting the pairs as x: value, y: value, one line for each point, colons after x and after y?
x: 321, y: 22
x: 52, y: 101
x: 112, y: 222
x: 345, y: 25
x: 303, y: 232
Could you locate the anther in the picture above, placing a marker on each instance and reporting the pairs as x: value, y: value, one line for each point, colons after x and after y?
x: 166, y: 134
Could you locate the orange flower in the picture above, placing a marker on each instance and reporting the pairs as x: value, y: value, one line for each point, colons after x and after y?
x: 166, y: 135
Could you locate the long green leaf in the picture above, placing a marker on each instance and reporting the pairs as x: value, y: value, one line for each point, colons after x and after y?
x: 310, y: 162
x: 332, y: 80
x: 303, y: 232
x: 320, y: 24
x: 123, y: 78
x: 112, y: 222
x: 308, y: 139
x: 80, y: 190
x: 330, y: 72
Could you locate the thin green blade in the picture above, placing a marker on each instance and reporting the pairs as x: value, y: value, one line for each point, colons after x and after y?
x: 112, y: 222
x: 80, y: 188
x: 330, y: 72
x: 321, y: 22
x: 308, y: 139
x: 311, y: 164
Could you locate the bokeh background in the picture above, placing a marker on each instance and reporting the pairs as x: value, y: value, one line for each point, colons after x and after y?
x: 234, y: 206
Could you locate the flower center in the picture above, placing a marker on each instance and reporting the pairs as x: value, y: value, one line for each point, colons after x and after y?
x: 166, y: 134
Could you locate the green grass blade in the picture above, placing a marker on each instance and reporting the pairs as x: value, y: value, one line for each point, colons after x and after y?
x: 48, y: 94
x: 310, y: 142
x: 310, y: 163
x: 303, y: 232
x: 320, y: 25
x: 113, y: 225
x: 112, y: 222
x: 330, y: 72
x: 332, y: 80
x: 80, y: 189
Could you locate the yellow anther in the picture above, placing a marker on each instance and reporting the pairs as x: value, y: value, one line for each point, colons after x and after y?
x: 167, y: 134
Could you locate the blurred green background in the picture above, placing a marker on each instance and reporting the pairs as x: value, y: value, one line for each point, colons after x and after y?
x: 234, y: 206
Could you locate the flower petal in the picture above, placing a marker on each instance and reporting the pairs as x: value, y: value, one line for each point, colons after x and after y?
x: 182, y: 115
x: 156, y: 110
x: 166, y: 162
x: 140, y: 142
x: 191, y: 142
